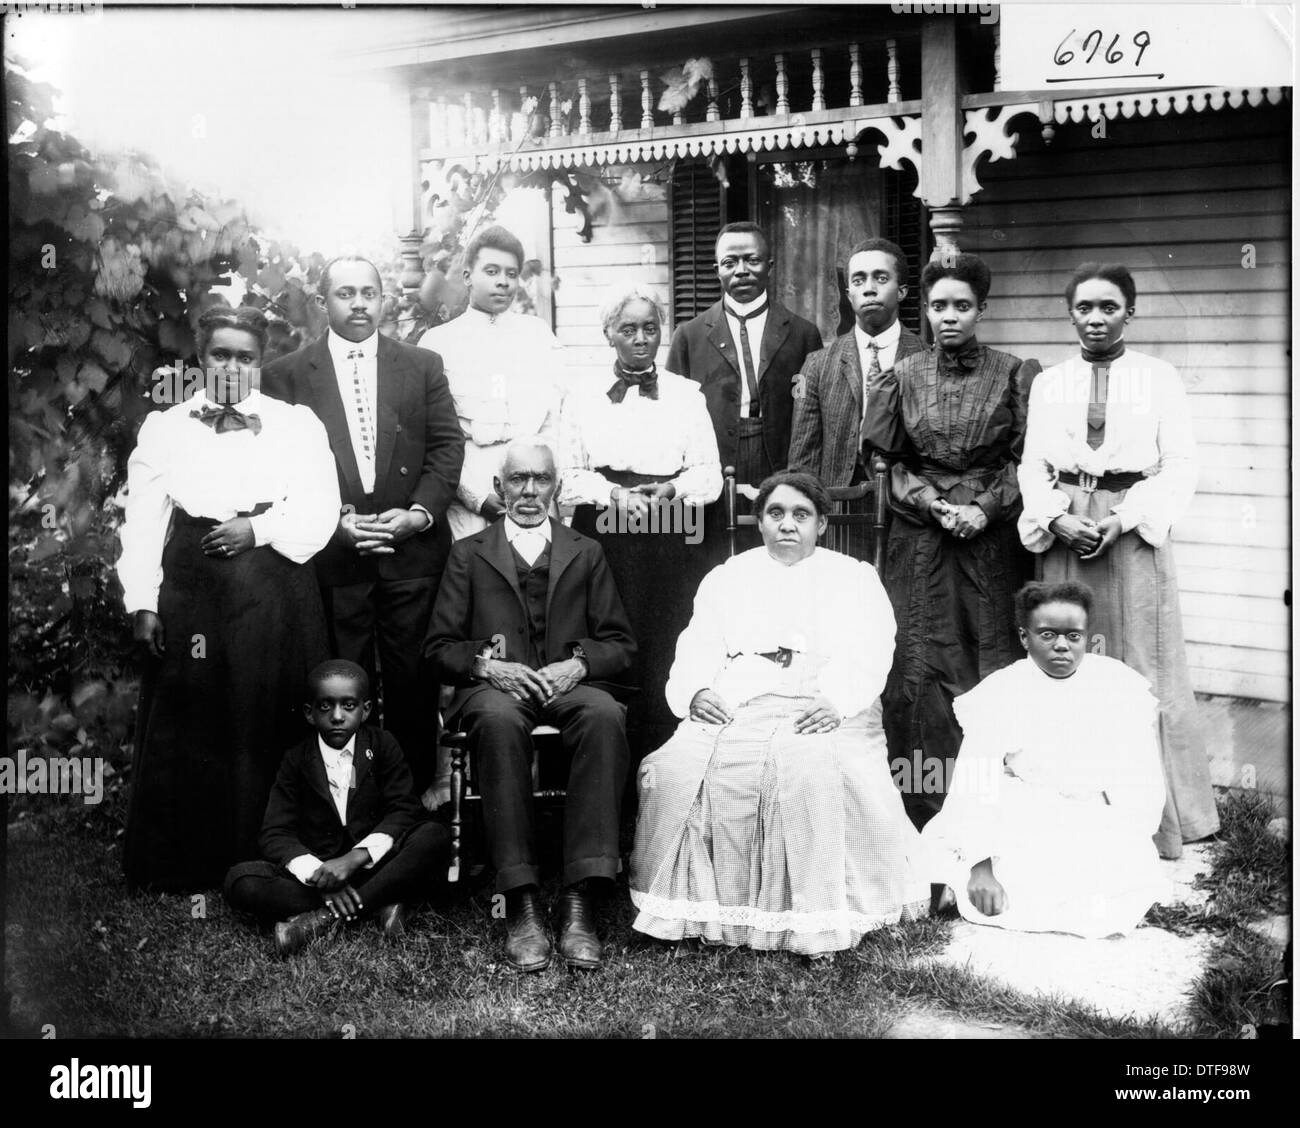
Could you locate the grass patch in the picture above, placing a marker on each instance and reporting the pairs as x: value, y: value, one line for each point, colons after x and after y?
x: 93, y: 960
x: 1245, y: 987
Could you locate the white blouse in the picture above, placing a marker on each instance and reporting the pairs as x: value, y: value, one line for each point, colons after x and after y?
x: 671, y: 435
x: 1090, y: 738
x: 180, y: 461
x: 506, y: 376
x: 1148, y: 427
x: 829, y: 608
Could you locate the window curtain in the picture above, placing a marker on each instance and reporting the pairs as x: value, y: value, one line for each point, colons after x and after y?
x: 816, y: 211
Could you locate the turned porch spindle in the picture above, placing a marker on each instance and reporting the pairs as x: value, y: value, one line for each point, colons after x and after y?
x: 456, y: 135
x: 818, y: 80
x: 997, y: 57
x: 647, y: 102
x: 438, y: 124
x: 891, y: 45
x: 746, y: 90
x: 615, y: 104
x: 496, y: 120
x: 556, y: 129
x: 524, y: 119
x: 855, y: 75
x: 584, y: 109
x: 468, y: 100
x: 782, y: 87
x: 711, y: 113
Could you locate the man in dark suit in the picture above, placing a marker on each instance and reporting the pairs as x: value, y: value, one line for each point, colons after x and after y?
x: 530, y: 629
x: 833, y: 392
x: 398, y: 448
x: 745, y: 352
x: 341, y: 838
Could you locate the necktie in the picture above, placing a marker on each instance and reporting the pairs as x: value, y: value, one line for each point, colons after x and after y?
x: 223, y: 419
x: 869, y: 378
x: 747, y: 357
x: 647, y: 381
x: 1100, y: 361
x: 364, y: 422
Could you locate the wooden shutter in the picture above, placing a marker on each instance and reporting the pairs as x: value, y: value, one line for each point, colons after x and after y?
x: 904, y: 223
x: 696, y: 217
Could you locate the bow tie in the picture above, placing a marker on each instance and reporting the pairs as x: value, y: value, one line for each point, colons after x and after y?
x: 223, y: 419
x: 647, y: 381
x: 965, y: 359
x: 1104, y: 356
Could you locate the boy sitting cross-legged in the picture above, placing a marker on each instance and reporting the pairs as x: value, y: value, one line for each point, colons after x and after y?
x: 341, y: 838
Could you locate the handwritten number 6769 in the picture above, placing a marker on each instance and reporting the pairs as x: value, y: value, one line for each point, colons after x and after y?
x: 1142, y: 40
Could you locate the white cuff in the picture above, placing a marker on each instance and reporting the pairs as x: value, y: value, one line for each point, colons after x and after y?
x: 303, y: 866
x: 261, y: 535
x: 377, y: 845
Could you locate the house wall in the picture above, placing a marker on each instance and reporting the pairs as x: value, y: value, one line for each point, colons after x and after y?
x: 629, y: 243
x: 1178, y: 200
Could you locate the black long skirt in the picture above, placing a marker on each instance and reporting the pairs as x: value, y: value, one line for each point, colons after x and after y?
x: 218, y: 710
x: 656, y: 575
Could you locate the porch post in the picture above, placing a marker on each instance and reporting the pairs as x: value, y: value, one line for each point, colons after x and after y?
x: 411, y: 212
x: 941, y: 133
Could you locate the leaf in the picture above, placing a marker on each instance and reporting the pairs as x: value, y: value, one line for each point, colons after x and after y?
x: 175, y: 338
x: 112, y: 348
x: 97, y: 310
x: 94, y: 377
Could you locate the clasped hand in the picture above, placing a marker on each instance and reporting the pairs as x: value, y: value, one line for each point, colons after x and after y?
x: 963, y: 521
x: 1086, y: 538
x: 638, y: 499
x: 377, y: 534
x: 543, y: 686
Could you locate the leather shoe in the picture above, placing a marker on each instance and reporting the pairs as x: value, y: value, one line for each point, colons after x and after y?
x: 392, y: 920
x: 293, y: 934
x: 578, y: 942
x: 528, y: 948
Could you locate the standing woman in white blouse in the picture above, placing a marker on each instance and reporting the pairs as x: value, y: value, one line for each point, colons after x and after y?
x: 639, y: 460
x: 1109, y: 465
x: 229, y: 495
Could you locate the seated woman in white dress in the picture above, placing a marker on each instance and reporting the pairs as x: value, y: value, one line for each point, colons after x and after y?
x: 769, y: 819
x: 1058, y: 790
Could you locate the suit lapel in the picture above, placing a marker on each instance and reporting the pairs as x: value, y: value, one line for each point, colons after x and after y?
x: 495, y: 549
x: 775, y: 332
x: 851, y: 367
x: 719, y: 334
x: 315, y: 770
x: 329, y: 409
x: 564, y: 551
x: 362, y: 760
x: 390, y: 376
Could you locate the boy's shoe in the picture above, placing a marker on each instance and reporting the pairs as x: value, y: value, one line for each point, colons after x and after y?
x: 528, y: 948
x: 293, y: 934
x: 578, y: 942
x: 392, y: 920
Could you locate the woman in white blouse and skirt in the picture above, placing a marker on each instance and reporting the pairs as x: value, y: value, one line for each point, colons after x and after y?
x: 230, y: 493
x: 1109, y: 465
x: 639, y: 461
x: 770, y: 819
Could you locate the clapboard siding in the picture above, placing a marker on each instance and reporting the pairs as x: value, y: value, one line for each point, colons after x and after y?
x: 629, y: 243
x: 1181, y: 201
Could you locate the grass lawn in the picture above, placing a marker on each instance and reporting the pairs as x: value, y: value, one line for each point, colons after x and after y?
x: 92, y: 960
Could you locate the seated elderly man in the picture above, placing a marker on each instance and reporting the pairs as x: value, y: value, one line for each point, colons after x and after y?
x: 529, y: 628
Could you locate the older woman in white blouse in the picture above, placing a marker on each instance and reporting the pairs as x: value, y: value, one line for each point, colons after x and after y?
x: 770, y: 818
x: 1109, y: 466
x: 229, y: 495
x: 639, y: 461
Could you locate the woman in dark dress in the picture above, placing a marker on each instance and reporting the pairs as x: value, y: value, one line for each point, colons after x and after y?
x: 639, y: 460
x: 951, y: 421
x: 230, y: 494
